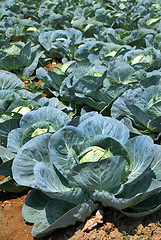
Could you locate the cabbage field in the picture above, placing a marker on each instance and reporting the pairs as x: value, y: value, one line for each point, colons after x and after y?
x: 87, y: 132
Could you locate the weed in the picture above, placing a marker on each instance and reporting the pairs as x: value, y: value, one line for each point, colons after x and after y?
x: 33, y: 88
x: 3, y: 234
x: 125, y: 234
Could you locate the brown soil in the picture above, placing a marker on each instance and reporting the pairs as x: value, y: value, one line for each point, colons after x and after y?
x: 50, y: 66
x: 12, y: 223
x: 115, y: 225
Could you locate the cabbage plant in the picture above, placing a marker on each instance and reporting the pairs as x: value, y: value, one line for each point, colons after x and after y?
x: 17, y: 129
x: 44, y: 119
x: 20, y: 58
x: 140, y: 110
x: 61, y: 42
x: 148, y: 59
x: 78, y: 167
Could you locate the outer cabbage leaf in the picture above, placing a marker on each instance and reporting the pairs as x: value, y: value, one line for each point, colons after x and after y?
x: 104, y: 125
x: 9, y: 185
x: 6, y: 98
x: 119, y: 72
x: 144, y: 188
x: 50, y: 78
x: 119, y: 107
x: 142, y: 107
x: 35, y: 150
x: 42, y: 120
x: 102, y: 175
x: 45, y: 114
x: 19, y: 56
x: 146, y: 207
x: 35, y: 202
x: 50, y: 182
x: 142, y: 58
x: 156, y: 163
x: 5, y: 154
x: 59, y: 214
x: 141, y: 153
x: 8, y: 122
x: 14, y: 140
x: 9, y: 81
x: 5, y: 168
x: 29, y: 70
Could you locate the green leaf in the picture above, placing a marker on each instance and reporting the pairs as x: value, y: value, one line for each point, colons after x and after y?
x: 35, y: 150
x: 111, y: 127
x: 128, y: 123
x: 155, y: 124
x: 6, y: 154
x: 50, y: 78
x: 130, y: 97
x: 156, y: 163
x: 14, y: 140
x: 29, y: 70
x: 140, y: 115
x: 48, y: 114
x: 6, y: 127
x: 65, y: 144
x: 102, y: 175
x: 9, y: 81
x: 146, y: 207
x: 5, y: 168
x: 35, y: 202
x: 51, y: 183
x: 141, y: 152
x: 143, y: 189
x: 111, y: 146
x: 155, y: 109
x: 9, y: 185
x: 59, y: 214
x: 119, y: 73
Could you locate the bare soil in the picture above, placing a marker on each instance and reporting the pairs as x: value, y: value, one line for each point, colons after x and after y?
x: 50, y: 66
x: 115, y: 225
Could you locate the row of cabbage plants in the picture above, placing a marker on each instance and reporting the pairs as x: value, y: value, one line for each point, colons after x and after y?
x: 90, y: 134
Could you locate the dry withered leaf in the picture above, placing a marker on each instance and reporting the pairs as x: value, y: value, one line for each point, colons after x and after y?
x: 94, y: 221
